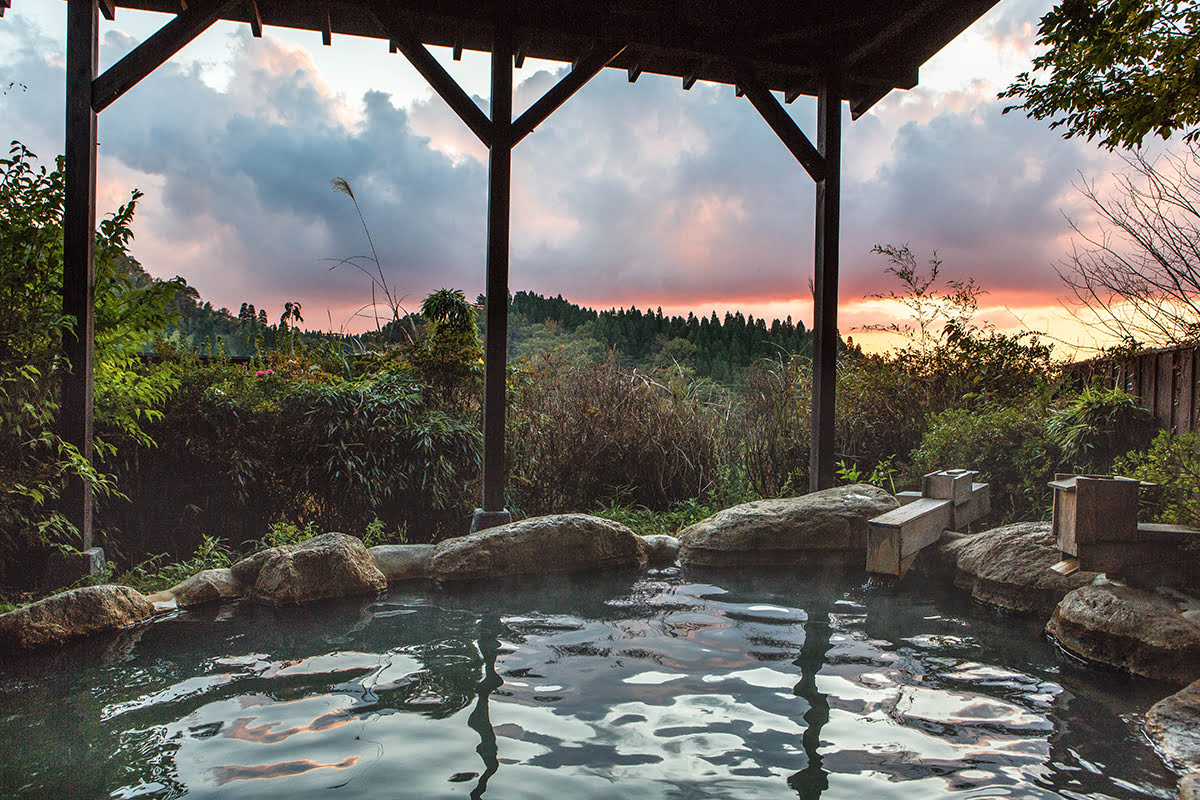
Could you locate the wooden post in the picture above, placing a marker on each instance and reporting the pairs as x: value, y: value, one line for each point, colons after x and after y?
x: 825, y: 295
x: 495, y: 349
x: 79, y: 245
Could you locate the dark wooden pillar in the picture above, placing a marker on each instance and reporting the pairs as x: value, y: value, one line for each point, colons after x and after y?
x: 79, y: 244
x: 495, y: 348
x: 825, y: 296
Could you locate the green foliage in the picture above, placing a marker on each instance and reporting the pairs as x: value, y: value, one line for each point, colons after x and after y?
x: 158, y: 572
x: 1172, y: 463
x: 449, y: 356
x: 283, y: 533
x: 1007, y: 445
x: 1097, y: 424
x: 1119, y: 70
x: 35, y: 462
x: 670, y: 522
x: 883, y: 474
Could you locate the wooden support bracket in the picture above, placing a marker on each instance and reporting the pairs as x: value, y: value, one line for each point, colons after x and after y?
x: 432, y: 71
x: 109, y: 9
x: 583, y: 72
x: 255, y: 20
x: 153, y: 52
x: 635, y: 72
x: 327, y: 28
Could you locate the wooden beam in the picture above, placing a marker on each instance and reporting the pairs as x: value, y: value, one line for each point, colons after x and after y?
x: 519, y: 58
x: 433, y: 72
x: 255, y: 20
x: 785, y: 127
x: 109, y: 9
x: 688, y: 82
x: 903, y: 532
x: 326, y: 28
x: 738, y: 91
x: 864, y: 103
x: 154, y: 52
x: 790, y: 96
x: 825, y: 284
x: 574, y: 80
x: 4, y: 4
x: 458, y: 48
x: 79, y: 244
x: 499, y: 205
x: 635, y: 72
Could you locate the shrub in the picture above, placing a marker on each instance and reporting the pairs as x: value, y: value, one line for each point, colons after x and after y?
x: 588, y: 435
x: 1007, y: 445
x: 1097, y: 424
x: 773, y: 422
x: 35, y: 462
x: 1172, y: 464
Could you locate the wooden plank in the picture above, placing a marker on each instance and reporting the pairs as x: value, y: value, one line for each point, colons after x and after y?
x: 825, y: 282
x: 1164, y: 396
x: 1145, y: 366
x: 905, y: 531
x: 977, y: 506
x: 908, y: 497
x: 1187, y: 392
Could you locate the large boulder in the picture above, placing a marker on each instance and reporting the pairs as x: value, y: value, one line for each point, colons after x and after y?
x: 1009, y: 567
x: 206, y: 586
x: 556, y: 543
x: 827, y: 525
x: 331, y: 565
x: 403, y: 562
x: 1173, y: 724
x: 77, y: 612
x: 1132, y: 629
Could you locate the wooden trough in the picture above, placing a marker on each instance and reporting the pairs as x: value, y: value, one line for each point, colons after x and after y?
x: 1097, y: 530
x: 948, y: 500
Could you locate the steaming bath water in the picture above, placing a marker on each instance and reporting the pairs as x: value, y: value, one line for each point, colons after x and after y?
x: 667, y: 685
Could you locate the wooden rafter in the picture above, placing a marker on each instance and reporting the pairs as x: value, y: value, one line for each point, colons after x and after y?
x: 153, y: 52
x: 785, y: 127
x: 584, y: 71
x: 433, y: 72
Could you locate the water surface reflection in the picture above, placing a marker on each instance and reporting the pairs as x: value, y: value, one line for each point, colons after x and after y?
x: 675, y: 685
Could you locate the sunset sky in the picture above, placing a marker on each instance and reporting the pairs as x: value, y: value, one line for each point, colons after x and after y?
x: 638, y: 194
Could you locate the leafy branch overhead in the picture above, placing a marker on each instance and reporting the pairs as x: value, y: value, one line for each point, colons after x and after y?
x: 1119, y: 70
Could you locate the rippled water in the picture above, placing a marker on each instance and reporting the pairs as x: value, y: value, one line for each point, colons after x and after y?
x: 671, y: 685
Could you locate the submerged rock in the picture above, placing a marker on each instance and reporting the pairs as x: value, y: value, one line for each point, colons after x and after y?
x: 1132, y: 629
x: 331, y: 565
x: 1009, y: 567
x: 661, y: 550
x: 206, y: 586
x: 1173, y: 724
x: 78, y: 612
x: 403, y: 562
x: 829, y: 524
x: 556, y: 543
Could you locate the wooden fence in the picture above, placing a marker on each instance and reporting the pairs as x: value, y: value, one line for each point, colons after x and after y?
x: 1165, y: 380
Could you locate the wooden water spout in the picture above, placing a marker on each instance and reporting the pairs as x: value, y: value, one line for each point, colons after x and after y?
x: 948, y: 500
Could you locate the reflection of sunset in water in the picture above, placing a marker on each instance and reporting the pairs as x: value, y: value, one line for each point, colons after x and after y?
x: 242, y: 728
x: 225, y: 775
